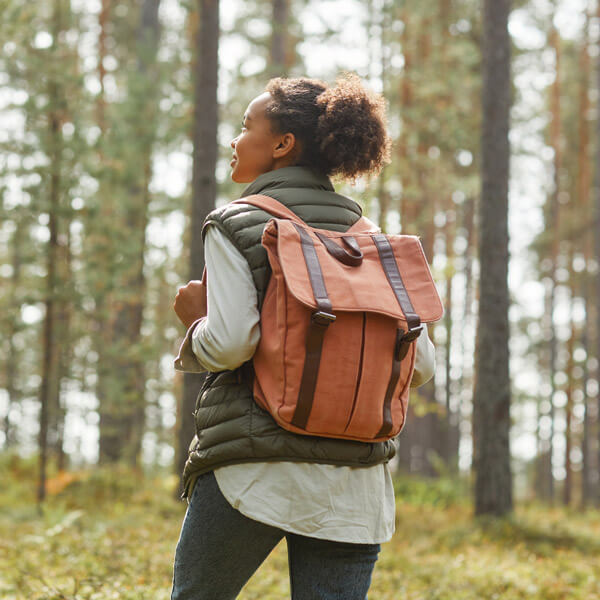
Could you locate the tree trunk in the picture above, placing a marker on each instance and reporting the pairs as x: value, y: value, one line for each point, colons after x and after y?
x: 451, y: 420
x: 426, y: 209
x: 597, y: 253
x: 123, y: 410
x: 50, y: 383
x: 64, y: 338
x: 468, y: 219
x: 204, y: 184
x: 568, y: 486
x: 383, y: 196
x: 491, y: 410
x: 100, y: 102
x: 12, y: 360
x: 407, y: 205
x: 553, y: 229
x: 281, y: 55
x: 583, y: 198
x: 101, y: 247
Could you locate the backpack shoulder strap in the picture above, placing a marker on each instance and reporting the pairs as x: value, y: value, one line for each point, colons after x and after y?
x: 272, y: 206
x: 364, y: 225
x: 277, y: 209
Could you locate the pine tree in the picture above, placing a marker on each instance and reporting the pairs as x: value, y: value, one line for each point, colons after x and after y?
x: 428, y: 183
x: 204, y: 184
x: 491, y: 416
x: 597, y: 257
x: 129, y: 145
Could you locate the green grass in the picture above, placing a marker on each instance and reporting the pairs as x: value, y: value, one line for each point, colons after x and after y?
x: 112, y: 536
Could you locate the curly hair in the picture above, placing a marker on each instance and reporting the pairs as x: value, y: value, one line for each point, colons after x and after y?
x: 341, y: 129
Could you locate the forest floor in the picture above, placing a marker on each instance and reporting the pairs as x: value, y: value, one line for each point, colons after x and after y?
x: 111, y: 535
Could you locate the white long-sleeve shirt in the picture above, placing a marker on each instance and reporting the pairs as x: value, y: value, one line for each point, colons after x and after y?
x: 344, y: 504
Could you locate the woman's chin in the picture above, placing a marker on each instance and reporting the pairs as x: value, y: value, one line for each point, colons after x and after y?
x: 239, y: 177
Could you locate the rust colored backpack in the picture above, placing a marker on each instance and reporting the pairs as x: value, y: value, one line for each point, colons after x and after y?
x: 339, y: 323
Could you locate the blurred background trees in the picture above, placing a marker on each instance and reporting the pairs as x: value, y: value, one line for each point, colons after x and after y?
x: 115, y: 125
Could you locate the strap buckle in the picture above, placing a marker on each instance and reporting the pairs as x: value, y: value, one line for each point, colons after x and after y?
x: 412, y: 334
x: 404, y: 339
x: 322, y: 318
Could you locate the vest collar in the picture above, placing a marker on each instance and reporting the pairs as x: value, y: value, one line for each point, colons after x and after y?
x: 286, y: 177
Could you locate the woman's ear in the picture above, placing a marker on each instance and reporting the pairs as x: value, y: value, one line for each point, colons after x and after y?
x: 285, y: 144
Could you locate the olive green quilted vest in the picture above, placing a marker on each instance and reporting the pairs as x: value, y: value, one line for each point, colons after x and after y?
x: 230, y: 427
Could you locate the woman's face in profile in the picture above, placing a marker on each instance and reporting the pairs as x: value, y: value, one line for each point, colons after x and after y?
x: 253, y: 148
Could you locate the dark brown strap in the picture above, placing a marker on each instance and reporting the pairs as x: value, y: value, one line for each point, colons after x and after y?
x: 351, y: 242
x: 403, y: 339
x: 352, y: 259
x: 403, y: 342
x: 314, y: 346
x: 386, y: 426
x: 313, y: 266
x: 320, y: 320
x: 390, y: 266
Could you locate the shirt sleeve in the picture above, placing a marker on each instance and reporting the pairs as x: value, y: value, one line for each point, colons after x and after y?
x: 228, y: 335
x: 424, y: 360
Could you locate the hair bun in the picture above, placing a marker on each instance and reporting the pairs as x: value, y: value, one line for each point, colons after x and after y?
x: 352, y: 128
x: 342, y: 128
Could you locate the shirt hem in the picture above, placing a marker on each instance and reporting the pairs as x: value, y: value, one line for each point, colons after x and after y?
x: 289, y: 529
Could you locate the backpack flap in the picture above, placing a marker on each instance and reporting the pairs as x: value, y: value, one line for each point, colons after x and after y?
x: 354, y: 287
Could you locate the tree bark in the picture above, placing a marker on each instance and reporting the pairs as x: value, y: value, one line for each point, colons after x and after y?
x: 452, y: 419
x: 597, y: 256
x: 63, y: 341
x: 383, y: 196
x: 583, y: 199
x: 204, y: 184
x: 553, y: 228
x: 281, y: 56
x: 100, y: 103
x: 491, y: 414
x: 468, y: 220
x: 51, y: 356
x: 102, y: 251
x: 568, y: 485
x: 122, y: 413
x: 406, y: 95
x: 12, y: 361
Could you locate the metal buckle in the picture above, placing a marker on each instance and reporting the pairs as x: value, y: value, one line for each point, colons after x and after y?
x: 322, y: 318
x: 412, y: 334
x: 403, y: 341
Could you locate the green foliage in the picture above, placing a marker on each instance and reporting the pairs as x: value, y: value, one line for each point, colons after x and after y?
x: 18, y: 476
x: 110, y: 534
x: 442, y: 492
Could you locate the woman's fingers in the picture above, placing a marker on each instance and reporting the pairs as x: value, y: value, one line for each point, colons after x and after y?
x: 190, y: 302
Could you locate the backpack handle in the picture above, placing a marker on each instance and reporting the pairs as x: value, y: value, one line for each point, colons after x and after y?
x: 351, y: 259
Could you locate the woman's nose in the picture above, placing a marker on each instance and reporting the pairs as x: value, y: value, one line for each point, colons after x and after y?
x: 233, y: 142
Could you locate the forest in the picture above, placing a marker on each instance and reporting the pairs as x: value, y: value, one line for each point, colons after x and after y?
x: 115, y: 125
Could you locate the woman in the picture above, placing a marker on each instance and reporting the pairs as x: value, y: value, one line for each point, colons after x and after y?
x: 249, y: 483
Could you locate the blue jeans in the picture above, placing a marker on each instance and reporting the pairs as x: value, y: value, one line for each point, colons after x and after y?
x: 219, y: 549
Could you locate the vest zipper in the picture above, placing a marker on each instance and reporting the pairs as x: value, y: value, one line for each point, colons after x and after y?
x: 208, y: 379
x: 360, y: 369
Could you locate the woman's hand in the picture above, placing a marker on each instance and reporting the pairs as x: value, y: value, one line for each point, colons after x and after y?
x: 190, y: 302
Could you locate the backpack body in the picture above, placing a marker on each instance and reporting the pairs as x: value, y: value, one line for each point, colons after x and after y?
x: 339, y: 324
